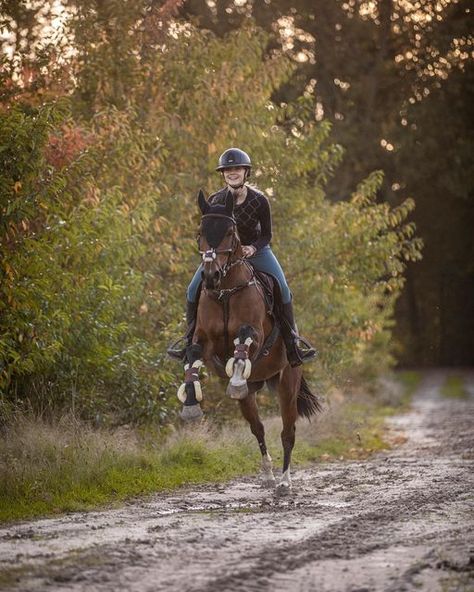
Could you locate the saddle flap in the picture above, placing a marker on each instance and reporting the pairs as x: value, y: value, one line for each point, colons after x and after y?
x: 269, y: 286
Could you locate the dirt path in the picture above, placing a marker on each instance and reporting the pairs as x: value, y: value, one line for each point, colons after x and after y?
x: 400, y: 521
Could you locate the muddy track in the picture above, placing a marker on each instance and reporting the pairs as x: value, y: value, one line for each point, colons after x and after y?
x: 402, y: 520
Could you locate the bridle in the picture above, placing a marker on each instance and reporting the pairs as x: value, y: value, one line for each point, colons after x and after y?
x: 210, y: 255
x: 223, y: 295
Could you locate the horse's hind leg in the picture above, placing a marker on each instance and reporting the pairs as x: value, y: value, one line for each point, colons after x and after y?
x: 189, y: 392
x: 288, y: 392
x: 249, y: 410
x: 239, y: 367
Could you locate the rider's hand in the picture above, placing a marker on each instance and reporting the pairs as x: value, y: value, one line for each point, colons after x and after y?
x: 249, y: 251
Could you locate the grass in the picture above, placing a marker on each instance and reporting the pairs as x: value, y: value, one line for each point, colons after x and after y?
x: 410, y: 380
x: 454, y: 388
x: 55, y: 467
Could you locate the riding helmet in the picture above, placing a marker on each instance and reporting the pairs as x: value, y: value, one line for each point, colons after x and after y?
x: 234, y: 157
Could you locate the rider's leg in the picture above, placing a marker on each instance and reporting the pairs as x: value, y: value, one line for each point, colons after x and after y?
x: 178, y: 349
x: 266, y: 261
x: 296, y: 354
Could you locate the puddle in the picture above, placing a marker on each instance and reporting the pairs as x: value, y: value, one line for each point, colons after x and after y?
x: 398, y: 521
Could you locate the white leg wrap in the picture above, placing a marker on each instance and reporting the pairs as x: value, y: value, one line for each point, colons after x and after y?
x: 237, y: 378
x: 286, y: 479
x: 197, y: 385
x: 247, y: 369
x: 198, y: 390
x: 267, y: 469
x: 182, y: 393
x: 229, y: 367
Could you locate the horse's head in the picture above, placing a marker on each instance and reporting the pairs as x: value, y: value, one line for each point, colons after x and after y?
x: 218, y: 240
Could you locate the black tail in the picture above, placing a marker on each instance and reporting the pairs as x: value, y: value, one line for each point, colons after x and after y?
x: 307, y: 403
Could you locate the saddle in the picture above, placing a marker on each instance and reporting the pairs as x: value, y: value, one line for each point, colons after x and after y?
x: 272, y: 297
x: 268, y: 285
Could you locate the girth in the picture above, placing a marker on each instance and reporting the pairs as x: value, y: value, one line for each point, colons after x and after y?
x: 224, y: 296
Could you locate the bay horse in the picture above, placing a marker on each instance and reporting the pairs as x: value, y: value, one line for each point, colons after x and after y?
x: 235, y: 338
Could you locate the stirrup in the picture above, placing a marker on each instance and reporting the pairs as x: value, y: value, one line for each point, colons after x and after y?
x: 178, y: 351
x: 304, y: 350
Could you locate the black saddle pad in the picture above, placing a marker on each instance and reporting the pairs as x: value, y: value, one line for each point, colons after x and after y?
x: 269, y: 287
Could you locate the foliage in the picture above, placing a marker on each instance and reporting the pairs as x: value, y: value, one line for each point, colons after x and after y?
x: 396, y: 79
x: 99, y: 214
x: 72, y: 287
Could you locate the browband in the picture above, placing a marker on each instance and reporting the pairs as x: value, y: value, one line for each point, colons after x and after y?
x: 231, y: 218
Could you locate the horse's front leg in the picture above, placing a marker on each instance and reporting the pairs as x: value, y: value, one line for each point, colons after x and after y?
x: 239, y: 367
x: 190, y: 393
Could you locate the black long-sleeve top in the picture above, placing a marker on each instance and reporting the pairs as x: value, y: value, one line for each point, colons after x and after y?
x: 253, y: 217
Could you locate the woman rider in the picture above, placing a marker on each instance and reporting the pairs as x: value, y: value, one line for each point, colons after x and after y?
x: 254, y: 225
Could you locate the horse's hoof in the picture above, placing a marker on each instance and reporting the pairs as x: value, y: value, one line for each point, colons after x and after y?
x: 191, y: 412
x: 283, y: 489
x: 268, y: 483
x: 237, y: 392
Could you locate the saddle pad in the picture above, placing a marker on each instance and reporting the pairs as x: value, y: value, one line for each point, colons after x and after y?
x: 268, y: 285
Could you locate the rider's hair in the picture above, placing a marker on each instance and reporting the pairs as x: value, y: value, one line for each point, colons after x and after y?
x: 254, y: 187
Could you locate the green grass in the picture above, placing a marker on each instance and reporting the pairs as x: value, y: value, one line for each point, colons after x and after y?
x: 48, y: 468
x: 454, y: 388
x: 410, y: 380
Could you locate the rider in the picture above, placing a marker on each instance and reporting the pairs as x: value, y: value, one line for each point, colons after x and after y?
x: 254, y: 225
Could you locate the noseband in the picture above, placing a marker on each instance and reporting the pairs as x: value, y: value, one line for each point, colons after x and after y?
x: 210, y: 255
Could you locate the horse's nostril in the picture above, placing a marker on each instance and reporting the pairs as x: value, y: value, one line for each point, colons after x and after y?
x: 202, y: 274
x: 216, y: 275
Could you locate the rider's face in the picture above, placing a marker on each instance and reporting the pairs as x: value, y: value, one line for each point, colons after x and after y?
x: 235, y: 176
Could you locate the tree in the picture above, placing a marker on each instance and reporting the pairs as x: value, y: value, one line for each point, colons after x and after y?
x: 377, y: 71
x: 113, y: 244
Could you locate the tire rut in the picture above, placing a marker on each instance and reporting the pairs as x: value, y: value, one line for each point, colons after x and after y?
x: 401, y: 520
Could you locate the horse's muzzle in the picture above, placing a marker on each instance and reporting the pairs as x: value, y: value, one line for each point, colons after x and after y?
x: 211, y: 279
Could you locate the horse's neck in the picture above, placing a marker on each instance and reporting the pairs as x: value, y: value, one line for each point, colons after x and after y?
x: 238, y: 274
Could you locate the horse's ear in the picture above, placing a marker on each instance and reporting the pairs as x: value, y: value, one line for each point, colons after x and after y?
x: 229, y: 203
x: 203, y: 203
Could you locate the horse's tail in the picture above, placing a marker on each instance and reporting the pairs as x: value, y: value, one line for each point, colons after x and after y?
x: 307, y: 403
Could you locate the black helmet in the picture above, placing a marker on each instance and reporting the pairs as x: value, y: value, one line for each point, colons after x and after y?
x: 234, y: 157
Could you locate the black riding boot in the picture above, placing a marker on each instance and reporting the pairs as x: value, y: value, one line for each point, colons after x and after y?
x: 296, y: 355
x: 178, y: 349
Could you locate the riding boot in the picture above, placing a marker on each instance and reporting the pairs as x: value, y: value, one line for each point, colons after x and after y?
x: 295, y: 353
x: 178, y: 349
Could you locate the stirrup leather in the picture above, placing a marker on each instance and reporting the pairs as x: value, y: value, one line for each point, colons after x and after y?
x: 177, y: 349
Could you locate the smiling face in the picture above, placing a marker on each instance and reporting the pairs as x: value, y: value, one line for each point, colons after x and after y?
x: 235, y: 176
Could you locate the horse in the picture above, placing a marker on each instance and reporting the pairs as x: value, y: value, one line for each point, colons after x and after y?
x: 236, y: 337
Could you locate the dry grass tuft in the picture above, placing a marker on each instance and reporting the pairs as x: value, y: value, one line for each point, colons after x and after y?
x: 55, y: 466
